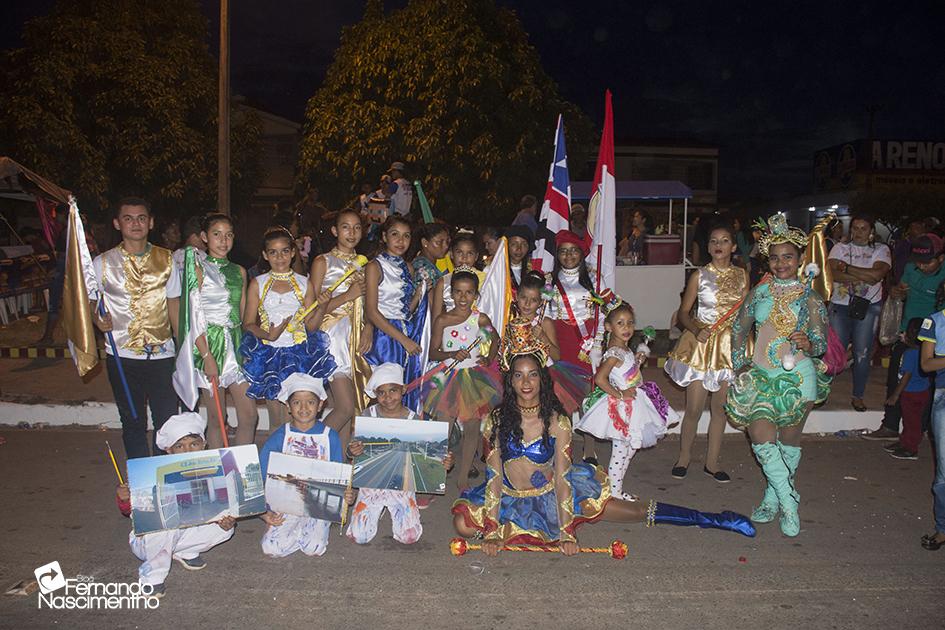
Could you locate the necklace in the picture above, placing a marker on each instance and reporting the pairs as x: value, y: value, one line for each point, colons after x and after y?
x: 529, y: 411
x: 281, y: 276
x: 343, y: 255
x: 572, y: 272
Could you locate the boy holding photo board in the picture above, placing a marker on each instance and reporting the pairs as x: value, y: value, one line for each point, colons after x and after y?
x: 386, y: 385
x: 181, y: 433
x: 304, y: 436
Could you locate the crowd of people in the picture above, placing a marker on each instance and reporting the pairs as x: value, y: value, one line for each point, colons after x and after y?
x: 318, y: 344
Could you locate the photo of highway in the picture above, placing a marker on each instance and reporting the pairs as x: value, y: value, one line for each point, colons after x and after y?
x: 401, y: 455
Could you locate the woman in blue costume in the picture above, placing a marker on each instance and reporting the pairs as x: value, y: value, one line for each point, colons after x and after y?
x: 533, y: 493
x: 778, y: 385
x: 276, y: 344
x: 396, y: 306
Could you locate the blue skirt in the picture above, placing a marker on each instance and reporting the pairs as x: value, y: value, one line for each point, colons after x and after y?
x: 533, y: 519
x: 266, y: 366
x: 386, y: 349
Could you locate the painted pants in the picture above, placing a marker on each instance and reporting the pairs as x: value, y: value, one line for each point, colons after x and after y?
x: 157, y: 549
x: 297, y: 533
x: 404, y: 515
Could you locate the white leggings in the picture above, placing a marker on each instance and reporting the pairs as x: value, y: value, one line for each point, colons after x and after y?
x: 620, y: 456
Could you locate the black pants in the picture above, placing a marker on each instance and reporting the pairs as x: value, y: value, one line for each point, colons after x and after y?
x: 149, y: 381
x: 893, y: 414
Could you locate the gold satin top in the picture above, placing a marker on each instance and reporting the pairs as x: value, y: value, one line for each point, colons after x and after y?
x: 136, y: 296
x: 719, y: 291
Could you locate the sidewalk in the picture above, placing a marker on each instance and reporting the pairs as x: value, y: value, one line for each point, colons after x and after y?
x: 50, y: 390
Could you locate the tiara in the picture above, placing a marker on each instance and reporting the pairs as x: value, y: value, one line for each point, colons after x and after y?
x: 777, y: 231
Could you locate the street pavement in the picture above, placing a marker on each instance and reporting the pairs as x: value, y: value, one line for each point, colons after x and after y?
x: 856, y: 564
x: 390, y: 469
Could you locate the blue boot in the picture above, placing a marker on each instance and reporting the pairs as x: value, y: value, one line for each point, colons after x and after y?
x: 664, y: 513
x: 778, y: 476
x: 792, y: 458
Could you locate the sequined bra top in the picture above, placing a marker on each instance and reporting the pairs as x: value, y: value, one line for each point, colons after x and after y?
x: 536, y: 451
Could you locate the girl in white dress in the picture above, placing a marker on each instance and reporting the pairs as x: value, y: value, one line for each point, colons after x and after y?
x: 617, y: 410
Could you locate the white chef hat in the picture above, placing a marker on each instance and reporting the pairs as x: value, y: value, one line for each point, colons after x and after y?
x: 384, y: 374
x: 178, y: 426
x: 300, y: 382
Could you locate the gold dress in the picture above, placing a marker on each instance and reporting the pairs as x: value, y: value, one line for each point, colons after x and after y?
x: 709, y: 361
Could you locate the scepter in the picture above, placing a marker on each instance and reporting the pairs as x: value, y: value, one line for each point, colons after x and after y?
x: 121, y: 370
x: 616, y: 550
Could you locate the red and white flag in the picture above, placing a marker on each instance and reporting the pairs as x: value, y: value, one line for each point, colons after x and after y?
x: 602, y: 210
x: 556, y: 210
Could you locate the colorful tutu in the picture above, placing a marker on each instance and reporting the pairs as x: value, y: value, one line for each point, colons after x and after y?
x: 531, y: 516
x: 641, y: 421
x: 777, y: 396
x: 572, y: 383
x: 462, y: 394
x: 266, y: 366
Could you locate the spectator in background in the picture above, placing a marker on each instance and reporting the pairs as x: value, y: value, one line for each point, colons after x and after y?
x: 170, y: 235
x: 190, y: 237
x: 911, y: 394
x: 912, y: 231
x: 834, y: 233
x: 742, y: 242
x: 401, y: 190
x: 633, y: 244
x: 528, y: 214
x: 578, y: 221
x: 378, y: 208
x: 932, y: 359
x: 490, y: 241
x: 918, y: 287
x: 858, y: 269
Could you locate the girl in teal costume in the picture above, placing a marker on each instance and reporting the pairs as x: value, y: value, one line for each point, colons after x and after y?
x: 778, y: 385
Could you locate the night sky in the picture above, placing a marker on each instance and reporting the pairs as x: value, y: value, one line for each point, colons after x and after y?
x: 769, y: 84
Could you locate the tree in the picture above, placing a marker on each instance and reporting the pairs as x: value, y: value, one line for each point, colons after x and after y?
x: 452, y: 88
x: 117, y: 97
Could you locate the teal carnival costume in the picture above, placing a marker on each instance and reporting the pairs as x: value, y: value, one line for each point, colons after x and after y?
x: 781, y: 382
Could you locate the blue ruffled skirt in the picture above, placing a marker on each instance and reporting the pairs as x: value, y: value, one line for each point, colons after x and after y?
x: 534, y: 519
x: 267, y: 366
x: 386, y: 349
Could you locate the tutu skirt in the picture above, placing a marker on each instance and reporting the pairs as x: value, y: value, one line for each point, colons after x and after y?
x: 463, y: 394
x: 266, y: 366
x: 531, y: 516
x: 641, y: 420
x: 776, y: 395
x: 572, y: 383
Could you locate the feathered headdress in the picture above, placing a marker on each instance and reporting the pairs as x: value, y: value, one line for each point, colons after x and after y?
x: 777, y: 231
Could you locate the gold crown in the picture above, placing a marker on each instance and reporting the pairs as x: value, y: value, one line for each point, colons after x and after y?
x: 519, y: 339
x: 777, y: 231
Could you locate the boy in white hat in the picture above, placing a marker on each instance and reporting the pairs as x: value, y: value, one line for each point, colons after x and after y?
x: 304, y: 436
x: 386, y: 385
x: 181, y: 433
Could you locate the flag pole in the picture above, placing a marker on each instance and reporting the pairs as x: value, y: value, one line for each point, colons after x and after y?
x: 216, y: 399
x: 600, y: 252
x: 121, y: 370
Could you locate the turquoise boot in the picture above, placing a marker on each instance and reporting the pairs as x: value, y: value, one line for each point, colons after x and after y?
x: 768, y: 510
x: 792, y: 458
x: 776, y: 471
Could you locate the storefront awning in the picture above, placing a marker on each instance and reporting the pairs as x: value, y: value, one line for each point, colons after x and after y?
x: 639, y: 190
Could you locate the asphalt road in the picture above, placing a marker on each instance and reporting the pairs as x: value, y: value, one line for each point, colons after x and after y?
x: 391, y: 469
x: 857, y: 563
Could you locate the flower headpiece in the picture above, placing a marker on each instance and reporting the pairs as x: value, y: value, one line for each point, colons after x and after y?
x: 519, y: 339
x: 592, y: 351
x: 777, y: 231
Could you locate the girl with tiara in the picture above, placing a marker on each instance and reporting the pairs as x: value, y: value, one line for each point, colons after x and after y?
x: 623, y: 408
x: 779, y: 381
x: 396, y: 306
x: 533, y: 493
x: 464, y: 252
x: 572, y: 309
x: 349, y: 335
x: 702, y: 359
x: 472, y: 385
x: 434, y: 243
x: 571, y: 381
x: 220, y: 285
x: 276, y: 343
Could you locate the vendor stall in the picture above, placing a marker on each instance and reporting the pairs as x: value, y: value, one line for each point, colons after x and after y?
x: 653, y: 289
